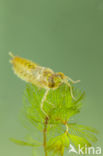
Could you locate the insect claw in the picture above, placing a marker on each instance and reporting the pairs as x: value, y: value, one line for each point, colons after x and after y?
x: 72, y: 81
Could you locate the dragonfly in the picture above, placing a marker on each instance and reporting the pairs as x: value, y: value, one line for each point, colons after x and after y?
x: 40, y: 76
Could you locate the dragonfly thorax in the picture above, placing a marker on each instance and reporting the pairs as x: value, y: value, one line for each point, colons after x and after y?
x: 55, y: 80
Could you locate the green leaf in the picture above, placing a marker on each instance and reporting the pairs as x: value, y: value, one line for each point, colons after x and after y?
x: 83, y: 127
x: 84, y: 131
x: 77, y: 140
x: 58, y: 104
x: 23, y: 143
x: 58, y: 144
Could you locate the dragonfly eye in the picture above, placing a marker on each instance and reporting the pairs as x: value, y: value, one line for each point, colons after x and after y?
x: 61, y: 75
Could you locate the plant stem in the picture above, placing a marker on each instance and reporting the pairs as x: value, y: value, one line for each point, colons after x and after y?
x: 61, y: 154
x: 45, y: 135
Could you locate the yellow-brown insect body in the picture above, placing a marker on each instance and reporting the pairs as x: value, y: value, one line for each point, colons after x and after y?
x: 39, y: 76
x: 35, y: 74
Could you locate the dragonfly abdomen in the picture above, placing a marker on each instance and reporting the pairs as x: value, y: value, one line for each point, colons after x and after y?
x: 23, y: 68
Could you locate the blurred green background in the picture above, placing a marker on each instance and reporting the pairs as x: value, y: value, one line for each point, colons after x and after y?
x: 65, y: 35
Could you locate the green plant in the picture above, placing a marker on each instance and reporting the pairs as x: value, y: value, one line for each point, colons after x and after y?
x: 58, y: 130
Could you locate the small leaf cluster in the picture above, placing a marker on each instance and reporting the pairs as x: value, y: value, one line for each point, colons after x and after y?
x: 61, y: 108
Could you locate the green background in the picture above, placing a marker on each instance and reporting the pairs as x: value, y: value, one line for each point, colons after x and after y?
x: 65, y: 35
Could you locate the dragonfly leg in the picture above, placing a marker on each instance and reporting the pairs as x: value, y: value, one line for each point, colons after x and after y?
x: 71, y: 90
x: 42, y: 102
x: 69, y: 79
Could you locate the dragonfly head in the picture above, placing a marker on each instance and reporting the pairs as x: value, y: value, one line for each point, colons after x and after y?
x: 55, y: 80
